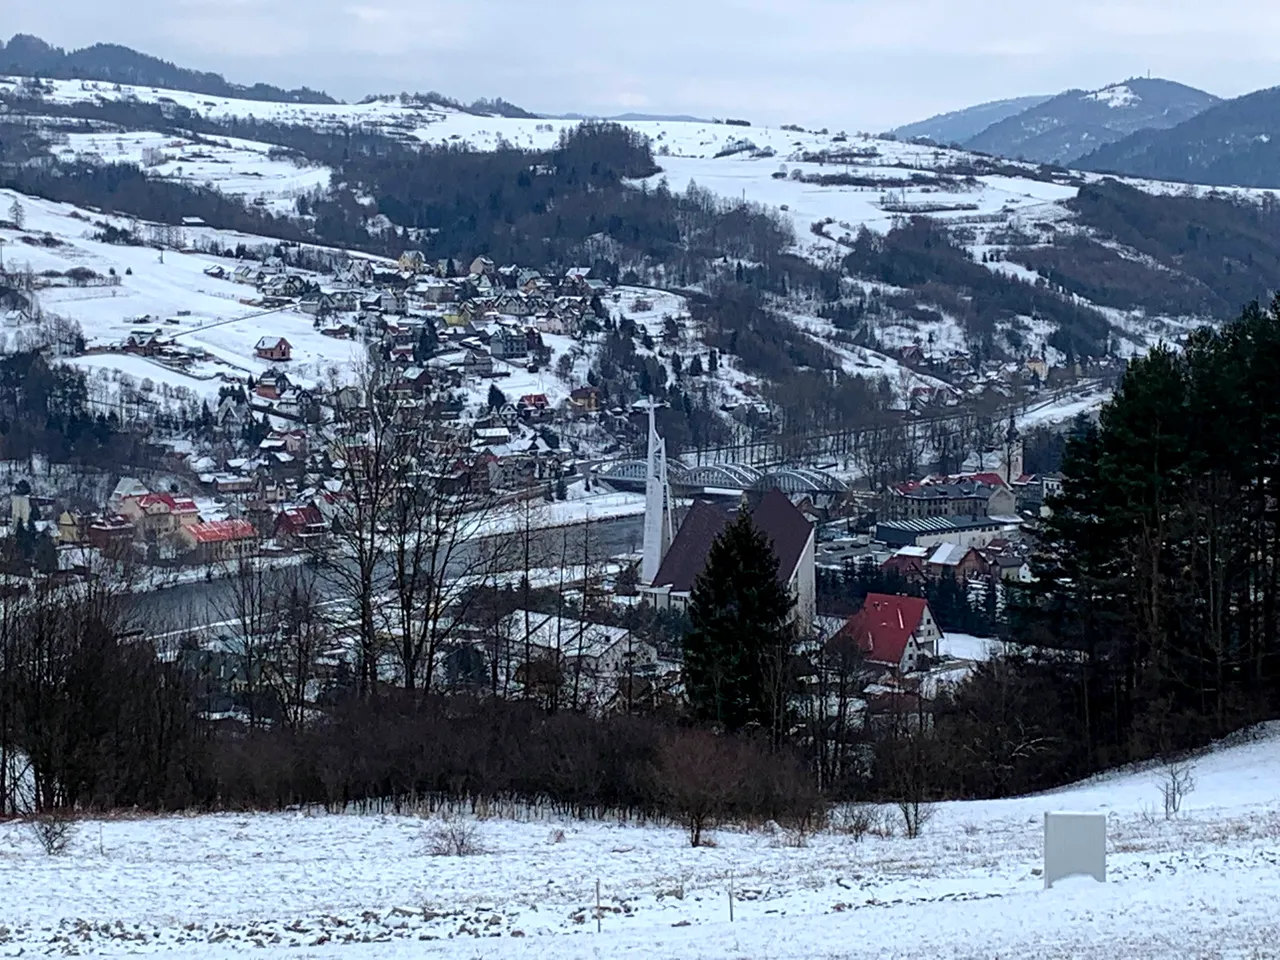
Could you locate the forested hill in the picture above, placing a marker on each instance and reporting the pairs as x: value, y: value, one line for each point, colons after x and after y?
x: 1236, y: 143
x: 961, y: 125
x: 25, y: 55
x: 1075, y: 122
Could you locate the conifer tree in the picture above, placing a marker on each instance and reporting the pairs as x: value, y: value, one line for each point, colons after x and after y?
x: 739, y: 647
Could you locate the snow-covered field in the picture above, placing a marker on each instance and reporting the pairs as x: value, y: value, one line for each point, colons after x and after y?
x: 1204, y: 884
x: 184, y: 304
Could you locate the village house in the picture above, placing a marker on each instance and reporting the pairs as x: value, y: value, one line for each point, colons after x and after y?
x: 508, y: 343
x: 111, y: 535
x: 218, y: 541
x: 125, y: 488
x: 958, y: 562
x: 585, y: 400
x: 316, y: 303
x: 917, y: 564
x: 550, y: 323
x: 412, y: 261
x: 300, y: 527
x: 283, y: 286
x: 338, y: 331
x: 893, y: 631
x: 433, y: 290
x: 156, y: 516
x: 275, y: 349
x: 272, y: 385
x: 976, y: 495
x: 232, y: 484
x: 475, y: 364
x: 533, y: 407
x: 1033, y: 491
x: 145, y: 344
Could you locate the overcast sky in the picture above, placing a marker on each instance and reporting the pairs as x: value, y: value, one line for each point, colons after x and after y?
x: 849, y: 64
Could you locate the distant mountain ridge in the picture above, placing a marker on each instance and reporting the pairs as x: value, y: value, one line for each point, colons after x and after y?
x: 1235, y: 143
x: 961, y: 125
x: 25, y: 55
x: 1078, y: 122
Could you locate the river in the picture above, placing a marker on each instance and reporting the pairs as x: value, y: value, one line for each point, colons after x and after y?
x: 181, y: 606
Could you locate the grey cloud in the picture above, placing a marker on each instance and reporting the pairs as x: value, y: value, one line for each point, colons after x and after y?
x: 853, y: 64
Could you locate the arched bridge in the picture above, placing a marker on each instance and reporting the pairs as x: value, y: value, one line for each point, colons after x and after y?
x: 692, y: 481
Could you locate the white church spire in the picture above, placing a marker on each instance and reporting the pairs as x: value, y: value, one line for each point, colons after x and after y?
x: 657, y: 504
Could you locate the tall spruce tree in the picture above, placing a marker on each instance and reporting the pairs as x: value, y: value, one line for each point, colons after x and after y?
x: 1159, y: 570
x: 739, y: 648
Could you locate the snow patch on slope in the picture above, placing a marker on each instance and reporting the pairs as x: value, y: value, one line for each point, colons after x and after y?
x: 1116, y: 96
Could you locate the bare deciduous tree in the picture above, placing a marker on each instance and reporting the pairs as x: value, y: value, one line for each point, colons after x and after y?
x: 299, y: 638
x: 53, y: 830
x: 1177, y: 780
x: 439, y: 544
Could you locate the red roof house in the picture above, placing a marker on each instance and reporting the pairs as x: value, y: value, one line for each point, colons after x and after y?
x: 219, y: 540
x: 300, y: 526
x: 894, y: 631
x: 156, y: 515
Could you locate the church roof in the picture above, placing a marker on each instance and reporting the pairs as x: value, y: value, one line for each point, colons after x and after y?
x: 774, y: 515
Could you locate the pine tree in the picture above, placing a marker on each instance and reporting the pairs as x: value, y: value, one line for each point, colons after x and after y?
x: 740, y: 643
x: 428, y: 343
x: 45, y: 555
x: 496, y: 397
x: 17, y: 216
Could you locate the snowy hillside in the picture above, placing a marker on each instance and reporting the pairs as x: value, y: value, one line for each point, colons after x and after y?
x: 763, y: 165
x: 172, y: 296
x: 829, y: 184
x: 235, y: 167
x: 842, y: 180
x: 315, y: 885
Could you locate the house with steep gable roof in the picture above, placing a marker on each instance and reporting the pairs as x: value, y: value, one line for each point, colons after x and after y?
x: 273, y: 348
x: 894, y: 631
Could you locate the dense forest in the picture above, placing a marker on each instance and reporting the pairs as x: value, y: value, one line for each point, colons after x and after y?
x: 28, y: 56
x: 1227, y: 247
x: 1157, y: 611
x: 45, y: 410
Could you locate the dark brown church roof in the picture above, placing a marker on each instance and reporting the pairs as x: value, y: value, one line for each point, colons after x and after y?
x: 774, y: 515
x: 779, y: 519
x: 687, y: 554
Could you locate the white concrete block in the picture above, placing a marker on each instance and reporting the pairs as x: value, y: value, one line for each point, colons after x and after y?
x: 1075, y: 844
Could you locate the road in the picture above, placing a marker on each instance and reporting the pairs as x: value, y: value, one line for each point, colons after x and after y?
x: 181, y: 606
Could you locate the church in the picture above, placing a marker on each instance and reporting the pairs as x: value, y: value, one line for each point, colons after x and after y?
x: 671, y: 564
